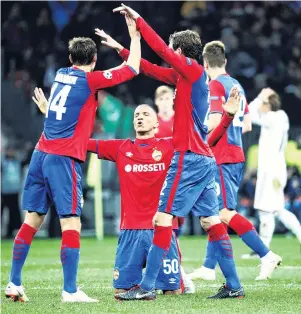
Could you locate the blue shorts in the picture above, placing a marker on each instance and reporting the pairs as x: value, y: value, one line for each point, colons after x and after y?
x: 228, y: 178
x: 190, y: 186
x: 131, y: 255
x: 53, y: 179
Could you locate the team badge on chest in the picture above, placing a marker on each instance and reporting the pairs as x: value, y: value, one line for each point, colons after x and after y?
x: 157, y: 155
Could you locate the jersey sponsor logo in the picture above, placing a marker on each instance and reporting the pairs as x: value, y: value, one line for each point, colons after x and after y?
x: 145, y: 168
x: 157, y: 155
x: 128, y: 154
x: 108, y: 75
x: 116, y: 274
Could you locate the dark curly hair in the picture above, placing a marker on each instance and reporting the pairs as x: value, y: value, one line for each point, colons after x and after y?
x: 189, y: 42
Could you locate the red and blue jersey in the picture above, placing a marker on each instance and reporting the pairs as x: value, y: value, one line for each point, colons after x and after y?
x: 229, y: 149
x: 71, y: 109
x: 191, y: 102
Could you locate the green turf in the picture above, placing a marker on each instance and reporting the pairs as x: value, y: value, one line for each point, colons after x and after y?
x: 42, y: 278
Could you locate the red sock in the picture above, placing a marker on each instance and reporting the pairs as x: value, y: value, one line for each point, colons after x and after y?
x: 70, y: 239
x: 25, y: 234
x: 162, y: 237
x: 240, y: 224
x: 217, y: 232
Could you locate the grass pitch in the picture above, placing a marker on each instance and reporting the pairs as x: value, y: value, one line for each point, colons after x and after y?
x: 42, y: 278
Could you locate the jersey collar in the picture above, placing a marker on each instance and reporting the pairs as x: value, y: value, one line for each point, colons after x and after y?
x: 148, y: 141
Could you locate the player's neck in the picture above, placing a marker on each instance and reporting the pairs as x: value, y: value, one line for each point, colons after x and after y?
x: 144, y: 136
x: 85, y: 68
x: 214, y: 73
x: 165, y: 116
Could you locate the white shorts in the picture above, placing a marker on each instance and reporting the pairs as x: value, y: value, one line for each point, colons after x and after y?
x: 267, y: 197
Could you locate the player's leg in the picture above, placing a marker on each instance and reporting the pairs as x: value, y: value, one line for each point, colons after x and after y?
x: 266, y: 226
x: 169, y: 277
x: 130, y: 257
x: 177, y: 196
x: 291, y: 222
x: 219, y: 241
x: 36, y: 202
x: 66, y: 192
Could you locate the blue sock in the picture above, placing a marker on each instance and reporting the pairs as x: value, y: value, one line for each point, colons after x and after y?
x: 70, y: 258
x: 153, y: 265
x: 252, y: 240
x: 21, y: 248
x: 20, y: 252
x: 248, y: 234
x: 156, y: 253
x: 210, y: 260
x: 223, y: 248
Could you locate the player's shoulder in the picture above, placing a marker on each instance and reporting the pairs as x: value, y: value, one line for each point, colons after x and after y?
x: 165, y: 142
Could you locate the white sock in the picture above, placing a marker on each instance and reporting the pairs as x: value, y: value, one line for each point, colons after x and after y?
x: 266, y: 227
x: 270, y: 256
x: 291, y: 222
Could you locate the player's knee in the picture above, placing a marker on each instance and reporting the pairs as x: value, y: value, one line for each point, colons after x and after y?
x: 34, y: 219
x: 71, y: 223
x: 226, y: 215
x: 162, y: 219
x: 207, y: 222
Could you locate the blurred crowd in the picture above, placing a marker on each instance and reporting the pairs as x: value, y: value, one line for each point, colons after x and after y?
x: 262, y: 41
x: 263, y: 49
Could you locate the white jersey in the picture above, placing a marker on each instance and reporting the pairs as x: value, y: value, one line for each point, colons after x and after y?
x: 271, y: 156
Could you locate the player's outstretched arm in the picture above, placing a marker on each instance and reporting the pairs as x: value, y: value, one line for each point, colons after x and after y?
x: 166, y: 75
x: 185, y: 67
x: 101, y: 79
x: 230, y: 108
x: 105, y: 149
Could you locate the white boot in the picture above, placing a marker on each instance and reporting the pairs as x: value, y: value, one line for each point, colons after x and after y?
x: 78, y: 296
x: 268, y: 264
x: 203, y: 273
x: 16, y: 293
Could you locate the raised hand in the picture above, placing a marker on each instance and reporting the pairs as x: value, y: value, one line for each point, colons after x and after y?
x: 233, y: 102
x: 40, y: 99
x: 125, y: 10
x: 265, y: 94
x: 108, y: 40
x: 132, y: 26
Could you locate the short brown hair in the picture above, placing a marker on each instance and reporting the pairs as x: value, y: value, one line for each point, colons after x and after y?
x: 190, y: 43
x: 161, y: 90
x: 82, y: 50
x: 275, y: 102
x: 214, y: 54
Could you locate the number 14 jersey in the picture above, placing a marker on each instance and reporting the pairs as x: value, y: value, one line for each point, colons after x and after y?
x: 229, y: 148
x: 71, y: 109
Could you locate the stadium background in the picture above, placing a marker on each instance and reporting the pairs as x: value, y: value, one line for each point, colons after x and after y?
x: 263, y: 49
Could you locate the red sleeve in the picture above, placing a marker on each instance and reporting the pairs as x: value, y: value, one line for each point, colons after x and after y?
x: 220, y: 130
x: 105, y: 149
x: 102, y: 79
x: 217, y: 91
x: 187, y: 68
x: 167, y: 75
